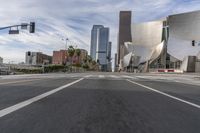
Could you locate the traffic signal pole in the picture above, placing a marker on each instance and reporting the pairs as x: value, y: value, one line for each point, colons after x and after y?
x: 23, y: 26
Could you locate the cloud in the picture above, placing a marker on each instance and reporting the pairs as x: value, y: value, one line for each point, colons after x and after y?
x: 73, y: 19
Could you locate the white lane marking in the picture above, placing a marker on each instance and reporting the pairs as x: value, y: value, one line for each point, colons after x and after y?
x: 101, y: 76
x: 21, y: 81
x: 165, y: 94
x: 20, y: 105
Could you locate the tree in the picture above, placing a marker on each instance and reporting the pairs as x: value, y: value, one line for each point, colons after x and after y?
x: 71, y: 52
x: 94, y: 63
x: 78, y: 53
x: 89, y: 58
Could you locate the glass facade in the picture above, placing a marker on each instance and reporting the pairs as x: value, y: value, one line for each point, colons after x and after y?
x: 100, y: 50
x: 102, y: 46
x: 94, y: 39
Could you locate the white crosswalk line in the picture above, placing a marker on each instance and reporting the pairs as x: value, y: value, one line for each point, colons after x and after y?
x: 73, y: 76
x: 101, y: 76
x: 87, y: 76
x: 129, y: 77
x: 114, y: 76
x: 126, y: 76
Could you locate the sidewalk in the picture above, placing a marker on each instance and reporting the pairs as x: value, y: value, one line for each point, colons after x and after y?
x: 186, y: 78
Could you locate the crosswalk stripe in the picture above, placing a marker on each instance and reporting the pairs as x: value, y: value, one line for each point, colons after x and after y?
x: 73, y: 76
x: 88, y: 76
x: 126, y: 76
x: 101, y: 76
x: 114, y: 76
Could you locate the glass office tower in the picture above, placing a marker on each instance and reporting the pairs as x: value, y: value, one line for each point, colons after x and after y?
x: 94, y: 37
x: 102, y: 47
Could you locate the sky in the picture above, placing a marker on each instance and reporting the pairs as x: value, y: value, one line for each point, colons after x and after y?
x: 73, y: 19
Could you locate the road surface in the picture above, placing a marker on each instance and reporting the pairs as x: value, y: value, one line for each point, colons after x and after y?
x: 97, y: 103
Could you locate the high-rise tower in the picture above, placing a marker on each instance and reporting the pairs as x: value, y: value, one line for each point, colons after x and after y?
x: 94, y: 39
x: 100, y: 45
x: 124, y: 32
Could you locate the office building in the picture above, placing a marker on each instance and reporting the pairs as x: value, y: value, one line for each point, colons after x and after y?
x: 94, y: 40
x: 37, y: 58
x: 109, y: 51
x: 124, y: 34
x: 59, y: 57
x: 1, y: 60
x: 101, y: 48
x: 116, y: 63
x: 109, y: 58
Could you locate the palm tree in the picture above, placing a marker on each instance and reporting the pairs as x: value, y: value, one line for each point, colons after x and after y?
x: 71, y: 52
x: 78, y: 53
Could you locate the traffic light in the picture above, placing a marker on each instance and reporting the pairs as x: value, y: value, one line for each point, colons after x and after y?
x: 32, y: 27
x: 193, y: 42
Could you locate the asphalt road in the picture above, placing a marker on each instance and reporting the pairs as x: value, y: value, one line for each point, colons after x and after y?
x: 97, y: 103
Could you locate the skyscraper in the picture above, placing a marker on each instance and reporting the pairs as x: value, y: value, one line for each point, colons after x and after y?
x: 124, y: 32
x: 99, y: 45
x: 94, y: 37
x: 115, y: 63
x: 102, y: 47
x: 109, y: 51
x: 1, y: 60
x: 109, y: 58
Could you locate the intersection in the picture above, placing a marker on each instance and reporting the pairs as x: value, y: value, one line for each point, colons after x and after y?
x: 97, y: 103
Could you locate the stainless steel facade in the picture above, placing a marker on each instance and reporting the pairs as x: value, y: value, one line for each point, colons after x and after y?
x: 184, y: 29
x: 146, y: 37
x: 172, y: 43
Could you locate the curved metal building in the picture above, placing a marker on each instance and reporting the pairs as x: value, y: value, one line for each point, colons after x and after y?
x: 184, y: 39
x: 173, y: 43
x: 146, y: 37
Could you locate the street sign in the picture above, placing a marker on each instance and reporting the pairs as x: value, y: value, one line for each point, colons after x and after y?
x: 13, y: 31
x: 24, y: 26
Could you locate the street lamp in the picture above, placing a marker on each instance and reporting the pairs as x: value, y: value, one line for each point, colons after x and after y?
x: 66, y: 39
